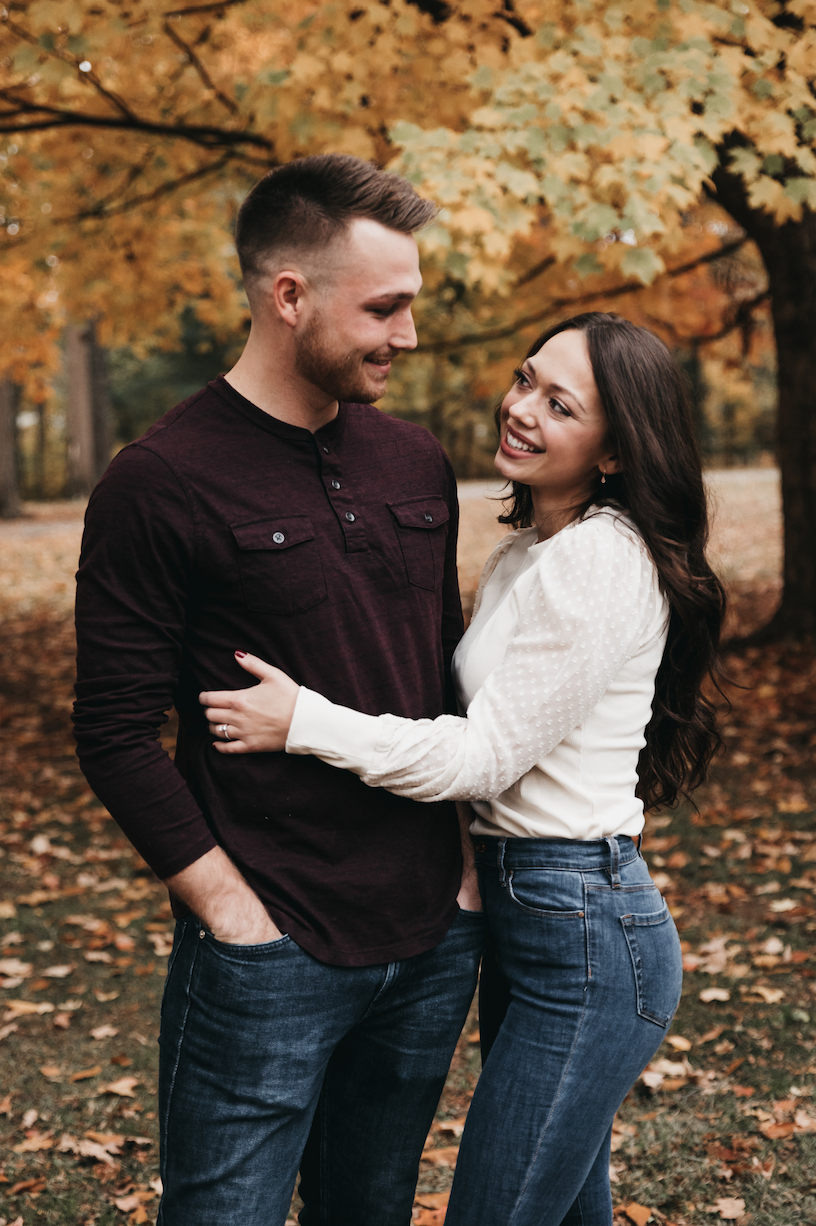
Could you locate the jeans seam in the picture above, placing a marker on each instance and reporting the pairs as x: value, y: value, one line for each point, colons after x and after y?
x: 165, y: 1123
x: 567, y: 1064
x: 390, y: 975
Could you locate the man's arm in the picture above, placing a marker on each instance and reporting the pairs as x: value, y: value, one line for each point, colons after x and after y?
x: 137, y: 557
x: 217, y: 894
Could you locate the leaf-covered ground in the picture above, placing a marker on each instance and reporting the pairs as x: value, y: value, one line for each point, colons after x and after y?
x: 722, y: 1125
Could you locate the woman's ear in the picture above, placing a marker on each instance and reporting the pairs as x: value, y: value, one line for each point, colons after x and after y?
x: 611, y: 465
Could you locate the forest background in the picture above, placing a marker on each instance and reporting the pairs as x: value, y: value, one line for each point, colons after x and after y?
x: 653, y: 159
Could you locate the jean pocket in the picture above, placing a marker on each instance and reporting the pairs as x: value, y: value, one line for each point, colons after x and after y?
x: 546, y: 893
x: 657, y: 962
x: 246, y: 953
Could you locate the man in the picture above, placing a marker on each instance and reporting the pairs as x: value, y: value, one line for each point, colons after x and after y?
x: 322, y: 967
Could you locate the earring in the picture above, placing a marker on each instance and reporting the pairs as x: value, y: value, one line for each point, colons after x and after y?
x: 603, y: 476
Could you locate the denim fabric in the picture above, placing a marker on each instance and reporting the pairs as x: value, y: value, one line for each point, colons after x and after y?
x: 265, y: 1052
x: 580, y: 982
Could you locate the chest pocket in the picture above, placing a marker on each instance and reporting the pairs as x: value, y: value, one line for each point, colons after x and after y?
x: 422, y: 530
x: 280, y: 564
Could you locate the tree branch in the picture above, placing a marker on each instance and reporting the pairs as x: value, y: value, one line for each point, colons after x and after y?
x: 556, y: 304
x: 199, y: 67
x: 203, y: 8
x: 101, y: 209
x: 200, y: 134
x: 741, y: 318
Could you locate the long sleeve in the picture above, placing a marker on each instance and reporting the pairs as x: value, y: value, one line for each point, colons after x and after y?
x: 132, y: 587
x: 591, y: 596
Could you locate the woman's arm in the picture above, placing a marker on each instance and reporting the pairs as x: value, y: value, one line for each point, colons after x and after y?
x: 592, y: 593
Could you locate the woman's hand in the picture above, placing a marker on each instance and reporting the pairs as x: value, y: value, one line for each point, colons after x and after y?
x: 257, y: 720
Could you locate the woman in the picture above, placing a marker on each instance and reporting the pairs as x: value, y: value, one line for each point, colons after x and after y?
x: 597, y: 620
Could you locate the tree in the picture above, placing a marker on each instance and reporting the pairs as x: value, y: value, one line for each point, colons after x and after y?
x: 576, y: 133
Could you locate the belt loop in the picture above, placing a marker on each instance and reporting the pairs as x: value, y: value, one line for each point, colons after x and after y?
x: 614, y: 867
x: 639, y: 844
x: 500, y: 849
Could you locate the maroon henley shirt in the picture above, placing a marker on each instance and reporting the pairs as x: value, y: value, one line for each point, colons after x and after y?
x: 331, y: 555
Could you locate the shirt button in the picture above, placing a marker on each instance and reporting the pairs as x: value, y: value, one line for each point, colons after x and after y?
x: 326, y: 450
x: 429, y: 519
x: 350, y: 516
x: 335, y: 485
x: 278, y: 538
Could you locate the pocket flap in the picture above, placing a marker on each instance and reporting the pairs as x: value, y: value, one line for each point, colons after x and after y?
x: 428, y: 512
x: 273, y: 533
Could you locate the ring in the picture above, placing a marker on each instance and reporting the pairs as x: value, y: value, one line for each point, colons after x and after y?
x: 222, y: 730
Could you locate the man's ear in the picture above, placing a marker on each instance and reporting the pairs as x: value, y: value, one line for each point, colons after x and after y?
x: 287, y: 296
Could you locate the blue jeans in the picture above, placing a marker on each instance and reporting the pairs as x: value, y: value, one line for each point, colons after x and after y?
x: 266, y: 1053
x: 580, y: 981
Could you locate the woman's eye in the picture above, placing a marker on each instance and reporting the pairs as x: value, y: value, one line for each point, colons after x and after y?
x: 521, y: 378
x: 559, y: 408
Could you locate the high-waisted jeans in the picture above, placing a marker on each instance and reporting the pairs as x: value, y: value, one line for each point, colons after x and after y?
x: 581, y: 980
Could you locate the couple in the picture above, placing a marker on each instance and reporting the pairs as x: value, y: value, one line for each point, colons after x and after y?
x: 330, y: 923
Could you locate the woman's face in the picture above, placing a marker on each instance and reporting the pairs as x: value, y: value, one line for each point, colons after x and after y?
x: 552, y: 425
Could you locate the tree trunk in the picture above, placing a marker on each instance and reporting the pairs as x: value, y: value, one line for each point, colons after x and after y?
x: 789, y: 254
x: 9, y: 485
x: 79, y: 411
x: 89, y: 414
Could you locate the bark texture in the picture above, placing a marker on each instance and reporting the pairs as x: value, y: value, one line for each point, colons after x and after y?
x: 789, y: 254
x: 9, y: 487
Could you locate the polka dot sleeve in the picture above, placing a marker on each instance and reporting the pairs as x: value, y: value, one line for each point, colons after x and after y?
x: 592, y: 600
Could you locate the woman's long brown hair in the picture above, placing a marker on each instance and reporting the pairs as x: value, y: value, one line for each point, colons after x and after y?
x: 661, y: 489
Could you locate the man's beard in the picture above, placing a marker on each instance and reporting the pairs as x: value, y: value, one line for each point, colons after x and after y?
x: 338, y: 375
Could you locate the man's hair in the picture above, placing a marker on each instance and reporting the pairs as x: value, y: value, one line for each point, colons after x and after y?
x: 305, y: 204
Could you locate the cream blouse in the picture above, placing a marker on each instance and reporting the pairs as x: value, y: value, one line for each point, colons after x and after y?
x: 556, y: 674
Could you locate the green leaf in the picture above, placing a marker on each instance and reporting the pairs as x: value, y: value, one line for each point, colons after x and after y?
x: 773, y: 164
x: 643, y: 263
x: 800, y: 189
x: 588, y: 265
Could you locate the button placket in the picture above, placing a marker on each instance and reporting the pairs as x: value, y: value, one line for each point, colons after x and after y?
x: 343, y: 502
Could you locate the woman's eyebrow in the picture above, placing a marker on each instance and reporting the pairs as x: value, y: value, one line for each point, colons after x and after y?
x: 565, y: 391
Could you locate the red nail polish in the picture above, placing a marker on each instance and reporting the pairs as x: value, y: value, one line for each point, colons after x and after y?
x: 240, y: 654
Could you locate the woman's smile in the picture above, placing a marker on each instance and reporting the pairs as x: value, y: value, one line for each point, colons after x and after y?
x: 513, y: 444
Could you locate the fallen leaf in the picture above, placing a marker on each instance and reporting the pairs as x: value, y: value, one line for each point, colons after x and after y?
x: 84, y: 1073
x: 5, y: 1031
x: 104, y: 997
x: 13, y: 966
x: 728, y: 1207
x: 32, y: 1186
x: 679, y: 1043
x: 775, y: 1131
x: 446, y: 1156
x: 639, y: 1214
x: 5, y: 1105
x: 59, y: 972
x: 103, y: 1032
x: 771, y: 996
x: 50, y: 1070
x: 62, y: 1020
x: 34, y: 1142
x: 123, y: 1087
x: 711, y: 994
x: 7, y: 910
x: 743, y: 1091
x: 30, y: 1117
x: 20, y: 1008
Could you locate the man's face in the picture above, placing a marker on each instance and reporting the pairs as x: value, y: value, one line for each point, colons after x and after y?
x: 360, y: 313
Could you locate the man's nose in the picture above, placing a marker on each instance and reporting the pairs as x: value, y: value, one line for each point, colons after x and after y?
x: 404, y: 334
